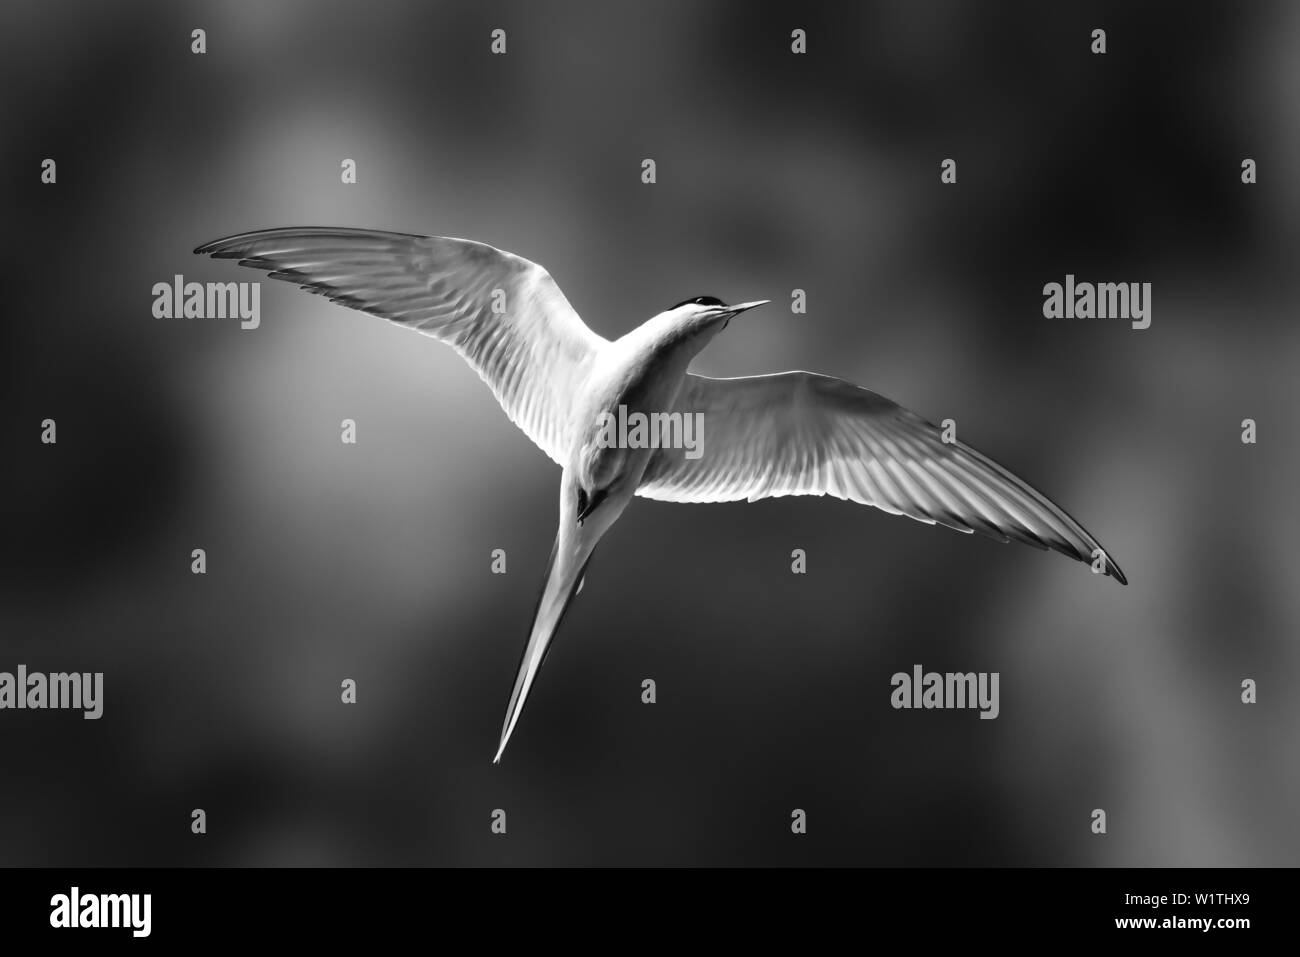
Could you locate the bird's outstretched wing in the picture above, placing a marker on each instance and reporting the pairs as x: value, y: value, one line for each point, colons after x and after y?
x: 504, y: 314
x: 798, y: 433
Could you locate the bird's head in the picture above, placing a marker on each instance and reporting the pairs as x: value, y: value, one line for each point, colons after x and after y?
x: 704, y: 317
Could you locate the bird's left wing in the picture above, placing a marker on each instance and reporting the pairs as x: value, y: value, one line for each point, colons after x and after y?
x: 503, y: 314
x: 799, y: 433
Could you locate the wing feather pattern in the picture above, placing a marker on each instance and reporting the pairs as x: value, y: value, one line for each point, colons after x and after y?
x: 503, y: 314
x: 799, y: 433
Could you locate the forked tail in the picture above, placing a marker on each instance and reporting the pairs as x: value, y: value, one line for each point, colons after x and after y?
x: 569, y: 557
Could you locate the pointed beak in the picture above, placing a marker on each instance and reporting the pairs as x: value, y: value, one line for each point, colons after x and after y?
x: 745, y: 306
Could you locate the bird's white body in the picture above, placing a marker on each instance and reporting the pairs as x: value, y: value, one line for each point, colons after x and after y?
x: 791, y: 433
x: 642, y: 371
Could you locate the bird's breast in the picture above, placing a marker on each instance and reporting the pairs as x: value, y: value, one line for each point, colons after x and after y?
x: 620, y: 422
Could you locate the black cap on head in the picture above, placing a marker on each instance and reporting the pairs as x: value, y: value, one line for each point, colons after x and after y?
x: 702, y: 301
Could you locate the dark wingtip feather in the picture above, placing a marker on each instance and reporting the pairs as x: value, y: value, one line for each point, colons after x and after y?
x: 1115, y: 572
x: 219, y: 248
x: 226, y: 246
x: 1111, y: 570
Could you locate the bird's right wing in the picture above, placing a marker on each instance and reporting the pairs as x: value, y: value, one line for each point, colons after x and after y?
x: 798, y: 433
x: 502, y: 313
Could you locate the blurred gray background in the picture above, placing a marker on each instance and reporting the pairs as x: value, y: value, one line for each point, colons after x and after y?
x: 775, y: 171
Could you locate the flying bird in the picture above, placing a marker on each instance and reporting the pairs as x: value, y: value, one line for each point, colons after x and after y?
x: 789, y: 433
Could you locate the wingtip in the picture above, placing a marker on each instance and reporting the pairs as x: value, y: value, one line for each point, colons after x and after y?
x: 213, y: 246
x: 231, y: 243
